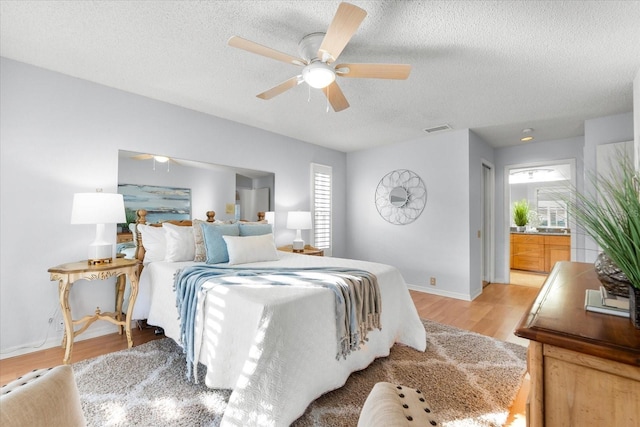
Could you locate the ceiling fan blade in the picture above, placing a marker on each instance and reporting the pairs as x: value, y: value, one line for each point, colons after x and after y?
x: 142, y: 157
x: 374, y: 71
x: 282, y: 87
x: 345, y: 23
x: 336, y: 97
x: 259, y: 49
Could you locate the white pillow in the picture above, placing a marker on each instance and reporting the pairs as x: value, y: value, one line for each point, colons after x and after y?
x: 132, y: 229
x: 251, y: 249
x: 153, y: 241
x: 181, y: 245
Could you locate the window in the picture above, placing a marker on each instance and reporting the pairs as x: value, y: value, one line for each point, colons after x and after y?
x: 551, y: 211
x: 321, y: 177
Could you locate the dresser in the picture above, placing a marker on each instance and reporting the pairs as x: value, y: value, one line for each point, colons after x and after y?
x: 584, y: 366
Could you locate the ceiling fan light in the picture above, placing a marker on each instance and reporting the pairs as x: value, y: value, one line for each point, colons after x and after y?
x: 318, y: 75
x: 161, y: 159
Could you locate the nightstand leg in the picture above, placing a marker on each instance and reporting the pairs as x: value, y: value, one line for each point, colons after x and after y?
x: 67, y: 341
x: 133, y: 278
x: 121, y: 282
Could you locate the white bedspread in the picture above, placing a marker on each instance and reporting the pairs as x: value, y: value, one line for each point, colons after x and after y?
x: 274, y: 346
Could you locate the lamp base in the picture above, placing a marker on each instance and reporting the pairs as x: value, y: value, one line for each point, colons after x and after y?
x: 100, y: 254
x: 298, y: 245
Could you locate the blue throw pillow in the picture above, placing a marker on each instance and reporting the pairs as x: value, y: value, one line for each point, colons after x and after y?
x: 215, y: 244
x: 255, y: 229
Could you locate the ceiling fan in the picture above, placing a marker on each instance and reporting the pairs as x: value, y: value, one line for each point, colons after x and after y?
x: 318, y: 52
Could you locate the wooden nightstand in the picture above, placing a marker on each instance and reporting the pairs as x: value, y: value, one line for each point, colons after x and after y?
x: 67, y: 274
x: 308, y: 250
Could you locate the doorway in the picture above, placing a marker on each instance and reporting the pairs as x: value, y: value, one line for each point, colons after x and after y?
x: 529, y: 263
x: 487, y: 243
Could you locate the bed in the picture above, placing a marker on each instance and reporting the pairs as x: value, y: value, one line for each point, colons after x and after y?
x: 274, y: 346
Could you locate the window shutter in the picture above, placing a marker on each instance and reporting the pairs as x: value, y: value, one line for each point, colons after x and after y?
x: 321, y: 206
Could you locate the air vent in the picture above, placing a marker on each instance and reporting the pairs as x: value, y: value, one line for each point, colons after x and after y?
x: 439, y: 128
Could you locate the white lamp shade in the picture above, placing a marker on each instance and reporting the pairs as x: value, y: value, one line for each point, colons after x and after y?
x: 98, y: 208
x: 299, y: 220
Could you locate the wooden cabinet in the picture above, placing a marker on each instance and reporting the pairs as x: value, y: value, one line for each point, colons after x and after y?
x: 528, y: 252
x: 124, y: 237
x: 535, y: 252
x: 584, y: 366
x: 556, y: 248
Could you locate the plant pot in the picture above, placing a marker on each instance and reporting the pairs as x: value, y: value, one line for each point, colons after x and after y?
x: 634, y: 306
x: 613, y: 280
x: 521, y: 228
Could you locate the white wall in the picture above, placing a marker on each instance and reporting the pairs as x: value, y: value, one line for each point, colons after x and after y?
x: 60, y: 135
x: 437, y: 243
x: 636, y: 117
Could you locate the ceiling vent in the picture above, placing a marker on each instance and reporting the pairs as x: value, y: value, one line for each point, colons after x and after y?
x: 439, y: 128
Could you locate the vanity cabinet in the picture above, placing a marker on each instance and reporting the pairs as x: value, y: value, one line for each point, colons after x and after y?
x: 536, y: 252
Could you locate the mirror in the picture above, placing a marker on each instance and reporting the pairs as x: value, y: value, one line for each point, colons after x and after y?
x: 398, y: 197
x: 233, y: 193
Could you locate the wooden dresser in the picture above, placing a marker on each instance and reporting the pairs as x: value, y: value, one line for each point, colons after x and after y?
x: 584, y: 366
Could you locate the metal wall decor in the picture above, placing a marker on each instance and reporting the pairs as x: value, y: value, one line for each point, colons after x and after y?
x: 400, y: 197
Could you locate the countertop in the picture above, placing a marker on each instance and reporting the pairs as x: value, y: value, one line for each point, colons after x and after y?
x: 541, y: 233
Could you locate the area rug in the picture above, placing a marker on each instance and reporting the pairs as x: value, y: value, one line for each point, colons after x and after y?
x: 467, y: 378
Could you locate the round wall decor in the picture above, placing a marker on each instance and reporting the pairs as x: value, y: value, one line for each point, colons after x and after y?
x: 400, y: 197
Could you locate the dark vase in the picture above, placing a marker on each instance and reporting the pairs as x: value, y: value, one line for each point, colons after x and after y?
x: 614, y: 280
x: 634, y: 306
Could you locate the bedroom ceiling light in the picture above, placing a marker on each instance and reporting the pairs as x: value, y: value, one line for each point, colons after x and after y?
x: 318, y: 75
x: 527, y: 137
x: 98, y: 208
x: 161, y: 159
x: 298, y: 221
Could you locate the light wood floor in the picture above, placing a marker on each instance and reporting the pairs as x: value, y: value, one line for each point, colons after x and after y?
x: 494, y: 313
x: 526, y: 278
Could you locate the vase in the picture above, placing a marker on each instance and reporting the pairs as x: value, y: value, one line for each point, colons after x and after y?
x: 613, y: 280
x: 634, y: 306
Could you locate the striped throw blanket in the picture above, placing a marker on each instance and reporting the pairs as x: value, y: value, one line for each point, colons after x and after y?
x: 357, y: 295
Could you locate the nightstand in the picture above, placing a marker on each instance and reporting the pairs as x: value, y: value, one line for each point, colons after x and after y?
x: 67, y: 274
x: 308, y: 250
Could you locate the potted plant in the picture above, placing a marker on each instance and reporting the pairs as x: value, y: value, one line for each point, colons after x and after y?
x: 521, y: 214
x: 611, y: 216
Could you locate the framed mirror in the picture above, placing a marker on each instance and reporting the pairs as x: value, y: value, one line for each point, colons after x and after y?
x: 400, y: 197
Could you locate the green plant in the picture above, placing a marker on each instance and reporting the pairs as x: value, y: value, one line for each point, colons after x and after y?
x: 130, y: 216
x: 611, y: 216
x: 521, y: 212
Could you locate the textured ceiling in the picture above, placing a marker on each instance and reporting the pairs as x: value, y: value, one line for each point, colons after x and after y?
x: 494, y: 67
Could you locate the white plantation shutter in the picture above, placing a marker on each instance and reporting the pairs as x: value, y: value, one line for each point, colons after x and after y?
x: 321, y: 177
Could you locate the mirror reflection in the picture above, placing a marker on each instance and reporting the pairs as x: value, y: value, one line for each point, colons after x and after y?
x: 233, y: 193
x: 398, y: 197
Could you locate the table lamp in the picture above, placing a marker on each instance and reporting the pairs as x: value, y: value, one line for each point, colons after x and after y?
x: 299, y: 221
x: 100, y: 209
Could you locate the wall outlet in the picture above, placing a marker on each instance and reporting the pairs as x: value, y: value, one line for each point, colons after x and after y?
x: 60, y: 325
x: 432, y: 281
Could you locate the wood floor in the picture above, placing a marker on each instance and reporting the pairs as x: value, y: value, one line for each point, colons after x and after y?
x: 494, y: 313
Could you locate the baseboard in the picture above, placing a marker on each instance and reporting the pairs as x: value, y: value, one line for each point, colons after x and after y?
x: 56, y: 340
x: 442, y: 293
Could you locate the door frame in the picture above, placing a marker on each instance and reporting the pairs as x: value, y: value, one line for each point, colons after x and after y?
x: 507, y: 204
x: 491, y: 186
